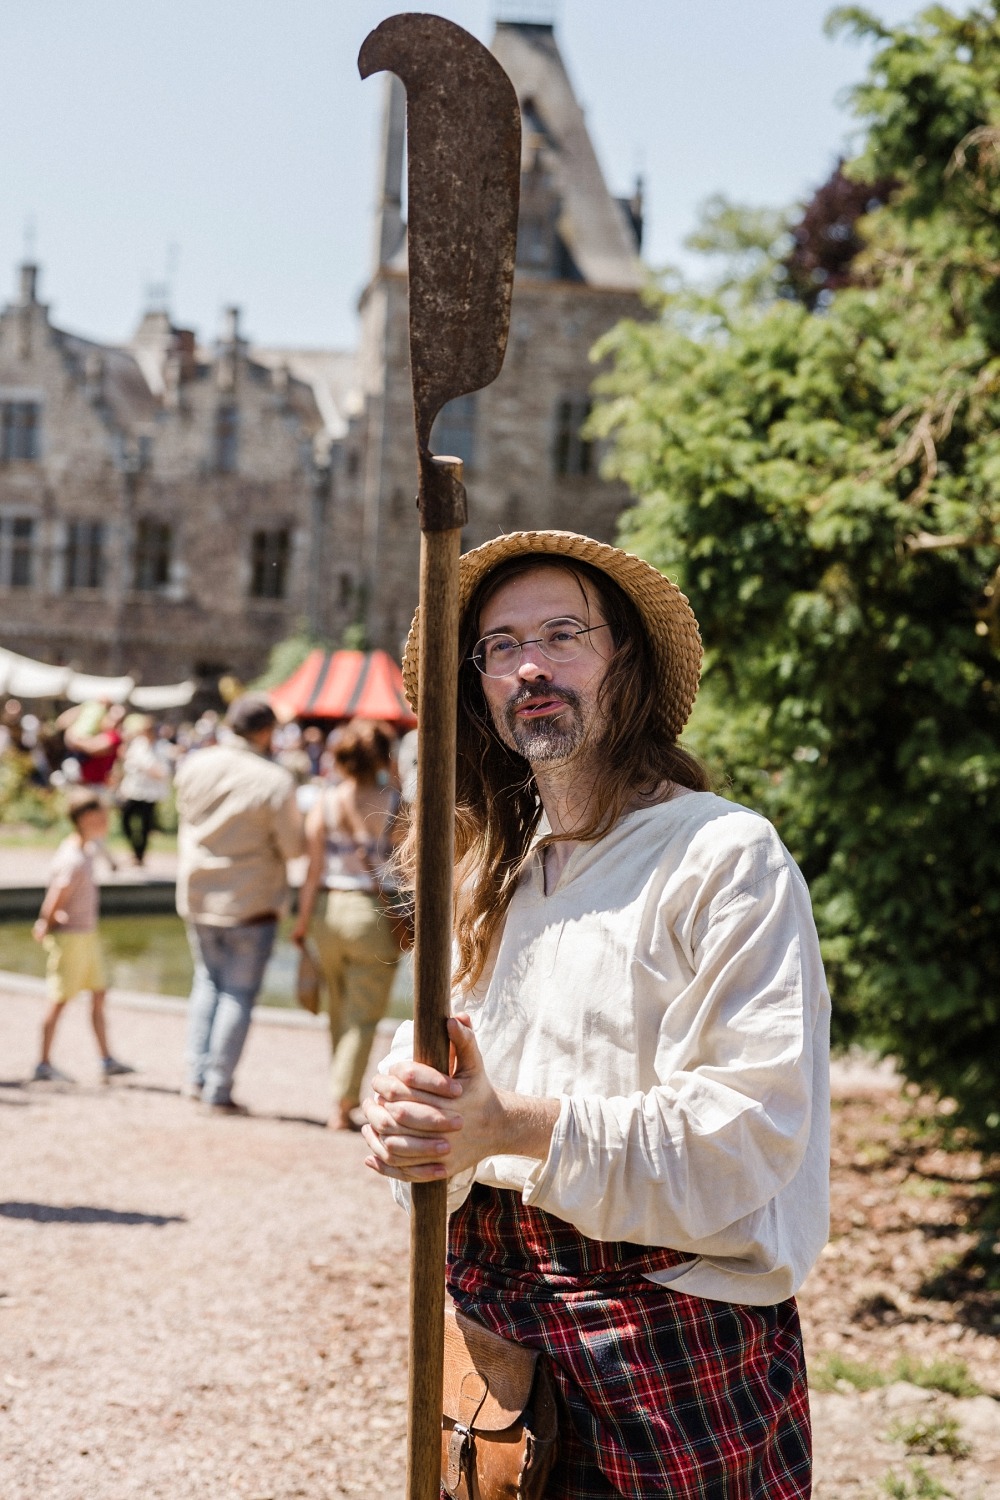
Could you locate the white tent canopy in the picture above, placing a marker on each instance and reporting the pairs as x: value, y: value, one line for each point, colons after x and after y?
x: 31, y: 679
x: 152, y: 699
x: 21, y: 677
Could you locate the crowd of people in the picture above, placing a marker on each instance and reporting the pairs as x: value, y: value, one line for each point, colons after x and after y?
x: 249, y: 795
x: 133, y: 757
x: 633, y: 1125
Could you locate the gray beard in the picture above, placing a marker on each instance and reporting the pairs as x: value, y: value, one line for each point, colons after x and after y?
x: 543, y: 741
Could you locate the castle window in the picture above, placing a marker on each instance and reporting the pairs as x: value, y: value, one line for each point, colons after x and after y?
x: 534, y: 244
x: 572, y: 453
x: 153, y: 546
x: 85, y: 555
x: 226, y: 439
x: 269, y: 564
x: 17, y: 548
x: 540, y: 208
x: 455, y: 430
x: 20, y: 422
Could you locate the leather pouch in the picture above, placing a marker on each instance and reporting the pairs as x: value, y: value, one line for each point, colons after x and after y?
x: 498, y: 1438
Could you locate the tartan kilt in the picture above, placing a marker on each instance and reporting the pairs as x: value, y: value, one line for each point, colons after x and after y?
x: 662, y: 1393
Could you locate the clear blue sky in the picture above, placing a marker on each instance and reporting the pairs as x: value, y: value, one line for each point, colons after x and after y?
x: 239, y: 132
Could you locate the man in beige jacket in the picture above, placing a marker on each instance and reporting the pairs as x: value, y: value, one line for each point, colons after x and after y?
x: 239, y: 825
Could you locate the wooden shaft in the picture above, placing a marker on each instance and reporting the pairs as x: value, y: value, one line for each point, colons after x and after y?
x: 435, y: 810
x: 435, y: 819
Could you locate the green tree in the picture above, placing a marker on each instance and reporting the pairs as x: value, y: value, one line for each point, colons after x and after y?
x: 285, y: 657
x: 746, y: 246
x: 824, y: 485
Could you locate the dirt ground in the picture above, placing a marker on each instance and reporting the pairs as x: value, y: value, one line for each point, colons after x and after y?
x: 195, y: 1308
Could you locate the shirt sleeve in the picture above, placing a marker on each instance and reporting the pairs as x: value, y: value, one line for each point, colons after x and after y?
x: 695, y: 1162
x: 66, y: 867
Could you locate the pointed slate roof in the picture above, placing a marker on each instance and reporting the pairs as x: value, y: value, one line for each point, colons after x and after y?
x: 592, y: 223
x: 594, y: 227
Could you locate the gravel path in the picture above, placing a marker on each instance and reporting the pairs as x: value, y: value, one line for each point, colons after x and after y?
x: 191, y: 1306
x: 195, y: 1308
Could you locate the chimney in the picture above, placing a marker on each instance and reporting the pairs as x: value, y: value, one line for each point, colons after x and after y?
x: 173, y: 379
x: 227, y: 356
x: 634, y: 210
x: 29, y: 285
x: 637, y: 210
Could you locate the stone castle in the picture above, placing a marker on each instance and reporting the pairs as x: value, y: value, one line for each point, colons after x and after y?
x: 172, y: 510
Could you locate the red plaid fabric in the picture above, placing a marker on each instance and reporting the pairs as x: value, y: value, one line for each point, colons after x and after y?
x: 663, y: 1393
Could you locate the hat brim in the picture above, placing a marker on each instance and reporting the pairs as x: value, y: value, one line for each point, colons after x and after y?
x: 666, y: 613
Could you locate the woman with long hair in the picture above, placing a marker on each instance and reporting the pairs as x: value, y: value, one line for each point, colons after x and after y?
x: 351, y: 832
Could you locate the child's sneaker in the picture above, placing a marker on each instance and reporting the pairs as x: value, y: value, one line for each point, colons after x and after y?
x: 46, y: 1073
x: 112, y: 1068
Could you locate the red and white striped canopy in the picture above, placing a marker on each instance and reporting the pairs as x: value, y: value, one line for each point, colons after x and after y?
x: 345, y: 685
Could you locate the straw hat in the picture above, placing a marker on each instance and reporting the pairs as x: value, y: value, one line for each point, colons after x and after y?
x: 666, y: 613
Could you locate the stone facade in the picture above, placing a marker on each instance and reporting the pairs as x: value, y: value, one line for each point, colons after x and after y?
x: 171, y: 511
x: 163, y: 511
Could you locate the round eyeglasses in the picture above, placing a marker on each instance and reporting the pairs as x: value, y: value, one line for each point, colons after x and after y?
x: 559, y: 640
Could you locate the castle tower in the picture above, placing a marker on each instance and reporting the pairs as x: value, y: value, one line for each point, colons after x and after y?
x: 578, y: 273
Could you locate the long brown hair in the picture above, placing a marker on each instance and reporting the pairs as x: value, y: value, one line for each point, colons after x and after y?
x: 497, y: 808
x: 362, y: 750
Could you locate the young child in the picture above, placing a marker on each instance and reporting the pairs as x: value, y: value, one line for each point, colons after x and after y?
x: 67, y: 929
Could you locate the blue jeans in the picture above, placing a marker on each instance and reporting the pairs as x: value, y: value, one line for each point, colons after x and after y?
x: 229, y: 964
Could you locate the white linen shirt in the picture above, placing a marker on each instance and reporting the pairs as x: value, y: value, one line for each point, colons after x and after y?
x: 669, y: 991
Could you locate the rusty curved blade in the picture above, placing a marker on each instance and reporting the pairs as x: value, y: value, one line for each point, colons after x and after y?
x: 463, y: 181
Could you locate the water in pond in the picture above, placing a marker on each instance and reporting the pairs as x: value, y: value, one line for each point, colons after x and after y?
x: 151, y: 954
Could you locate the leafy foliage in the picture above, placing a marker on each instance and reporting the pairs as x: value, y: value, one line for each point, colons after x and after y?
x: 824, y: 485
x: 21, y: 799
x: 826, y: 238
x: 285, y: 657
x: 749, y: 244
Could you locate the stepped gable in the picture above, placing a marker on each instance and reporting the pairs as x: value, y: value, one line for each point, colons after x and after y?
x: 112, y: 376
x: 330, y: 374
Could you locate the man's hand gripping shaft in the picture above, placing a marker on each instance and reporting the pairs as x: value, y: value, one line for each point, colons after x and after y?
x: 424, y: 1125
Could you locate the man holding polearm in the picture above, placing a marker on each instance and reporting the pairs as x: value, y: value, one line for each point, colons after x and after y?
x: 635, y: 1127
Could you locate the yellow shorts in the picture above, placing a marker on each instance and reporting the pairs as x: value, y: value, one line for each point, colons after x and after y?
x: 75, y: 963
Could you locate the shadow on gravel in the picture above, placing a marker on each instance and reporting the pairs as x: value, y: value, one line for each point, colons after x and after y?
x: 47, y: 1213
x: 133, y: 1086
